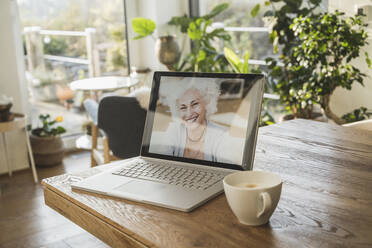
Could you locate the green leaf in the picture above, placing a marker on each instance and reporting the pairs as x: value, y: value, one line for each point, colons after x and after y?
x: 368, y: 60
x: 357, y: 115
x: 255, y: 10
x: 182, y: 21
x: 216, y: 11
x: 246, y: 65
x: 60, y: 130
x: 51, y: 123
x: 194, y: 31
x: 315, y: 2
x: 139, y: 37
x: 269, y: 13
x: 233, y: 59
x: 275, y: 49
x: 143, y: 27
x: 267, y: 3
x: 201, y: 56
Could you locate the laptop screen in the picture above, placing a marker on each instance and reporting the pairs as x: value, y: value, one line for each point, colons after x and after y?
x: 204, y: 118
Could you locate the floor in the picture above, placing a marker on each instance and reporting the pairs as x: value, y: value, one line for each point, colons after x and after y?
x: 25, y: 221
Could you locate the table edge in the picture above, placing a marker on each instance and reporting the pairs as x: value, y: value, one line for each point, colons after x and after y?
x: 50, y: 191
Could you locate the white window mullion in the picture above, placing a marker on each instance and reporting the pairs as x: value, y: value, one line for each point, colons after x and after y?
x: 247, y: 29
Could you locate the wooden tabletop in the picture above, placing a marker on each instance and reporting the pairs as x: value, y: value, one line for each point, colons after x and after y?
x: 18, y: 122
x: 326, y: 198
x: 103, y: 83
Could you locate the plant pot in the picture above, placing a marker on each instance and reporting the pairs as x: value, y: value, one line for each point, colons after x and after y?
x: 5, y: 114
x: 47, y: 151
x: 316, y: 116
x: 167, y: 50
x: 64, y: 93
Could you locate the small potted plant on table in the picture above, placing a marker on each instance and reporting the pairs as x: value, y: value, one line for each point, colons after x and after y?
x: 46, y: 142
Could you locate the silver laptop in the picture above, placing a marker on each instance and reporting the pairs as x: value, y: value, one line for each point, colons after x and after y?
x: 199, y: 128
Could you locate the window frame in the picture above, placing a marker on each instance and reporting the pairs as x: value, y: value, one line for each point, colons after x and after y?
x: 126, y: 36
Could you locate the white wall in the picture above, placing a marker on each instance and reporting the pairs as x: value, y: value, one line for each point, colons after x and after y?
x: 12, y: 80
x: 344, y: 101
x: 12, y: 76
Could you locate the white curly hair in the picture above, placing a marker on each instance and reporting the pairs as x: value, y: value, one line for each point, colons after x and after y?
x: 172, y: 88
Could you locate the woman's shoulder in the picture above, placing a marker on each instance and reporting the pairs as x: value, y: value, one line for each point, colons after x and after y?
x: 175, y: 126
x: 216, y: 127
x: 175, y: 130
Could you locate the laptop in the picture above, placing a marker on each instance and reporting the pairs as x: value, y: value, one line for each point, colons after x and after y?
x: 199, y: 128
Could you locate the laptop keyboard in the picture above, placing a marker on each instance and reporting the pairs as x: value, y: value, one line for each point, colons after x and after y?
x: 170, y: 174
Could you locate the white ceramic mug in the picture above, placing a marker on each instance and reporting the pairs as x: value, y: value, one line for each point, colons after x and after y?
x: 253, y: 195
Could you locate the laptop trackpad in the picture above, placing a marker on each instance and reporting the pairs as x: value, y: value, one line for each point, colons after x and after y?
x: 142, y: 188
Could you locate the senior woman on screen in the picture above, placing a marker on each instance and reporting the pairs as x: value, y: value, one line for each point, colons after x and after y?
x: 191, y: 134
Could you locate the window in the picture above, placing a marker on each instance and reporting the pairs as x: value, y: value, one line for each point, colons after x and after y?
x: 247, y: 33
x: 70, y: 40
x: 64, y: 26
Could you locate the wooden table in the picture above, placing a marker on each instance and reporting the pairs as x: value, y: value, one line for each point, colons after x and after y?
x: 326, y: 198
x: 103, y: 83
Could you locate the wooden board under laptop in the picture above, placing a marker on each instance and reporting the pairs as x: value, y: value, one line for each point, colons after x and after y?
x: 326, y: 199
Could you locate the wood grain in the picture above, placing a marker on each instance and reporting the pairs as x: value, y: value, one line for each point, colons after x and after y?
x: 25, y: 220
x: 326, y: 198
x: 85, y: 219
x: 18, y: 123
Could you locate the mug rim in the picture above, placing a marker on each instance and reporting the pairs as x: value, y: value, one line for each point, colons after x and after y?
x: 252, y: 189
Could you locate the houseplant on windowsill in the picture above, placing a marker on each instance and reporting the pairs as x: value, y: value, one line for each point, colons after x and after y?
x: 316, y: 51
x: 329, y: 44
x: 204, y: 55
x: 166, y: 47
x: 46, y: 142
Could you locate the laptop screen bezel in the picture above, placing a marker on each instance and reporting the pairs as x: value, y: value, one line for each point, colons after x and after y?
x: 250, y: 140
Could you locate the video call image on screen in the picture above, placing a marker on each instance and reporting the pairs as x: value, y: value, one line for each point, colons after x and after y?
x: 201, y: 118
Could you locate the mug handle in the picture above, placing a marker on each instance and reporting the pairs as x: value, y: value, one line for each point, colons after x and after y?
x: 267, y: 203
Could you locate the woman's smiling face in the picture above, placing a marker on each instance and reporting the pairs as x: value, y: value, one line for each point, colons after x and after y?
x: 192, y: 108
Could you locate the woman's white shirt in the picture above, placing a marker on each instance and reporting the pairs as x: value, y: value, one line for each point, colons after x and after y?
x: 215, y: 137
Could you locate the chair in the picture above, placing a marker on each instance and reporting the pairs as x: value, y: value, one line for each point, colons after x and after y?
x: 122, y: 121
x: 364, y: 125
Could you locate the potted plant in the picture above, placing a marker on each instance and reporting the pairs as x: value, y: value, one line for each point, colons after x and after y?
x: 289, y: 84
x: 203, y: 57
x: 329, y: 43
x: 6, y: 104
x: 46, y: 142
x: 166, y: 47
x: 316, y: 50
